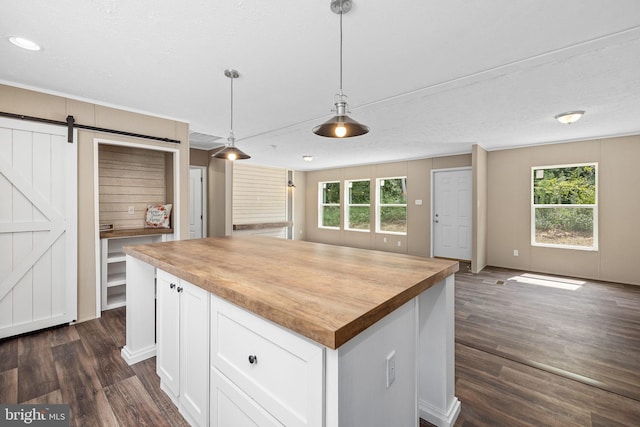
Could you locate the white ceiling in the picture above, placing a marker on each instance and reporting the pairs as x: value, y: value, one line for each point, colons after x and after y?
x: 428, y: 77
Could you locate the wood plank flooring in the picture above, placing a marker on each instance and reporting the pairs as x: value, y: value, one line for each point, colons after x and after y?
x: 534, y: 355
x: 526, y: 355
x: 81, y: 365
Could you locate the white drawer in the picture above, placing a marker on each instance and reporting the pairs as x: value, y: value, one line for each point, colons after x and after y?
x: 230, y: 407
x: 287, y: 374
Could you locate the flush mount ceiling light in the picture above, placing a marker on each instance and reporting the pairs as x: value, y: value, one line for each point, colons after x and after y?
x: 231, y: 152
x: 24, y: 43
x: 569, y: 117
x: 341, y: 125
x: 307, y: 158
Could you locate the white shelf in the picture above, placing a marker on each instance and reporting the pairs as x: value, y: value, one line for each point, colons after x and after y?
x: 116, y: 257
x: 113, y: 266
x: 116, y: 279
x: 116, y: 299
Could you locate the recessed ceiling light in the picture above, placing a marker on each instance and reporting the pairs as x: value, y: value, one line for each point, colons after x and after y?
x: 24, y: 43
x: 569, y: 117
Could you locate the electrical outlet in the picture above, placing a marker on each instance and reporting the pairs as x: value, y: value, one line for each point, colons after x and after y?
x: 391, y: 368
x: 399, y: 243
x: 131, y: 210
x: 515, y: 252
x: 384, y: 239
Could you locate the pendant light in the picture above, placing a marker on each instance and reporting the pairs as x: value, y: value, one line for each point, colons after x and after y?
x: 341, y: 125
x: 231, y: 152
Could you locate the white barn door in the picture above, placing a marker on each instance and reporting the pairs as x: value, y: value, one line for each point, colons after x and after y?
x: 38, y: 227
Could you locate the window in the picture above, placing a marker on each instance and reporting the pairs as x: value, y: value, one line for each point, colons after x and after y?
x: 391, y: 212
x: 358, y: 205
x: 329, y: 203
x: 564, y: 209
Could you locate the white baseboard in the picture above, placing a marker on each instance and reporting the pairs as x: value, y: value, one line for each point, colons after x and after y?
x: 436, y: 416
x: 140, y: 355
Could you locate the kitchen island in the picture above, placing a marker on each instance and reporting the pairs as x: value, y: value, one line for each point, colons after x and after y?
x: 294, y: 333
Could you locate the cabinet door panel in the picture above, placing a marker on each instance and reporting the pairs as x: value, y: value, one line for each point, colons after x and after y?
x: 168, y: 330
x: 194, y: 351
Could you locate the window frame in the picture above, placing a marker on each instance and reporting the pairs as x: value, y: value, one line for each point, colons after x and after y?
x: 593, y: 206
x: 322, y: 205
x: 348, y: 204
x: 379, y: 205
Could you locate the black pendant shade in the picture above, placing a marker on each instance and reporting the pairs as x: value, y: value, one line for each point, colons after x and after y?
x: 340, y: 127
x: 231, y: 153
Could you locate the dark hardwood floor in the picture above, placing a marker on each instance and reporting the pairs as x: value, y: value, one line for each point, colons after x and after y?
x: 531, y: 354
x: 81, y: 365
x: 526, y: 355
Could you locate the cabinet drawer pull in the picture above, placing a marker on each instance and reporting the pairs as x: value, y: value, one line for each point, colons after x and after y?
x: 179, y: 289
x: 253, y: 359
x: 172, y: 285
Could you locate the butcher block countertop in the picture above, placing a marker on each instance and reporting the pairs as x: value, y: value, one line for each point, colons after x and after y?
x: 327, y: 293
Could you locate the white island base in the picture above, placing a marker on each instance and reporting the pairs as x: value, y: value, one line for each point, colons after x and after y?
x: 420, y: 336
x: 295, y: 380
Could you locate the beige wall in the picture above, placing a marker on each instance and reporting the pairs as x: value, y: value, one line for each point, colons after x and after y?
x: 509, y: 204
x: 299, y: 205
x: 26, y: 102
x: 418, y: 172
x: 199, y: 157
x: 479, y: 208
x: 219, y: 187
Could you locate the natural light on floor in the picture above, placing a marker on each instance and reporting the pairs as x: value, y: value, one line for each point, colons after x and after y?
x: 549, y: 281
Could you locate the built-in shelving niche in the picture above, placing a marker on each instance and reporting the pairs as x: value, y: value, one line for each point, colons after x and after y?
x: 129, y: 178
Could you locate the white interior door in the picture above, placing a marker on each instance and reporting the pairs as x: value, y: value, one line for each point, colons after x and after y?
x: 452, y: 212
x: 196, y: 214
x: 38, y: 227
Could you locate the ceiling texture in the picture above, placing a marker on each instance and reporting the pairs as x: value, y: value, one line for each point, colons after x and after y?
x: 429, y: 77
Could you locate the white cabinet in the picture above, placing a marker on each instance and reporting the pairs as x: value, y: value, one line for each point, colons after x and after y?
x: 262, y: 370
x: 183, y: 346
x: 113, y: 267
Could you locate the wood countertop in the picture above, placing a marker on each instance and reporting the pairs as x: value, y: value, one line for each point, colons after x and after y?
x: 130, y: 232
x: 327, y: 293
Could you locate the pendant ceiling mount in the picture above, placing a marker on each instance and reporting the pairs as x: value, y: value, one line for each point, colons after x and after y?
x: 341, y: 125
x: 230, y: 151
x: 341, y: 6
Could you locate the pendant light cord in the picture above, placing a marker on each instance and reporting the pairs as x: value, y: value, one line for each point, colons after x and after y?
x: 341, y: 13
x: 231, y: 107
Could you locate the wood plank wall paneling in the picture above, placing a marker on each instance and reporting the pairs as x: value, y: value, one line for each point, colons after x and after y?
x: 129, y: 176
x: 259, y: 195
